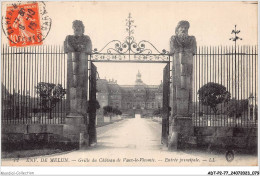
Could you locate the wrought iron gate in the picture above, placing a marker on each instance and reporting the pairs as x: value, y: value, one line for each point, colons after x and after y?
x: 131, y: 51
x: 92, y: 104
x: 166, y: 107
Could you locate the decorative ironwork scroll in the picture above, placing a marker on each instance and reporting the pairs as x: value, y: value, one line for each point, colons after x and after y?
x: 129, y: 49
x: 133, y: 58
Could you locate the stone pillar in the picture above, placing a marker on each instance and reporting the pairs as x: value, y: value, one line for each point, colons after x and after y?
x: 78, y: 48
x: 77, y: 83
x: 182, y: 49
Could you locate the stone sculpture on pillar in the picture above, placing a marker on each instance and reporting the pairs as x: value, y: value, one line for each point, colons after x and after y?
x: 182, y: 48
x: 78, y: 48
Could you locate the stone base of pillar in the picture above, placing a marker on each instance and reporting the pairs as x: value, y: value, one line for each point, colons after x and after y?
x: 83, y: 140
x: 75, y: 131
x: 182, y: 130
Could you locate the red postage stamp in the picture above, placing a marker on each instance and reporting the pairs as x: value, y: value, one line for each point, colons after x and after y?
x: 23, y: 25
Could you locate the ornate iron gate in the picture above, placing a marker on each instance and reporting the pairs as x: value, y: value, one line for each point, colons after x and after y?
x: 129, y: 50
x: 166, y: 107
x: 92, y: 104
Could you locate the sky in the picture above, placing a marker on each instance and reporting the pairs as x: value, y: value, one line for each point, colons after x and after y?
x: 210, y: 22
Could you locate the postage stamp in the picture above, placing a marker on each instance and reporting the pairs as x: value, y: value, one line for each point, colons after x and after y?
x: 26, y: 24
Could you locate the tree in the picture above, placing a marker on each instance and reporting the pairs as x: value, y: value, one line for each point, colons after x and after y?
x: 110, y: 111
x: 253, y: 111
x: 158, y: 112
x: 117, y: 111
x: 256, y: 112
x: 212, y: 94
x: 236, y: 107
x: 50, y: 94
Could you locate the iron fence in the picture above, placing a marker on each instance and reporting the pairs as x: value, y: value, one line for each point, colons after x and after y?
x: 31, y: 77
x: 225, y: 86
x: 234, y: 68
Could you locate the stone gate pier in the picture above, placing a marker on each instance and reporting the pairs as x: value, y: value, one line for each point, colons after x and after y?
x: 78, y: 48
x: 182, y: 48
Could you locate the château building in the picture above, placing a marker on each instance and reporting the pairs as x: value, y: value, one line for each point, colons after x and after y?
x: 130, y: 99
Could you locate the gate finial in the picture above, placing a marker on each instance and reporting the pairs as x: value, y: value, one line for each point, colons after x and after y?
x: 129, y: 46
x: 234, y: 39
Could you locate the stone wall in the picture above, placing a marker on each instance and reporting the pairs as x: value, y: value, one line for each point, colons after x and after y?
x: 226, y: 137
x: 22, y: 136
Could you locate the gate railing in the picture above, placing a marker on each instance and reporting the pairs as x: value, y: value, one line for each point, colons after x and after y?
x: 236, y: 70
x: 22, y: 70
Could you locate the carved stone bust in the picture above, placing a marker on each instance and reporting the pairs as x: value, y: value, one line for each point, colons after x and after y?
x: 182, y: 42
x: 78, y: 42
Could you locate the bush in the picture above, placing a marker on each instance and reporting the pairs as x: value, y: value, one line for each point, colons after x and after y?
x: 109, y: 111
x: 212, y: 94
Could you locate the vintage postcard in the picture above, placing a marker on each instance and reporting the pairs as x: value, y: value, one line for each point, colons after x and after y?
x: 129, y: 84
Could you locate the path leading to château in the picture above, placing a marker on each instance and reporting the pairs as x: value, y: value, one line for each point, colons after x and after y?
x: 135, y: 142
x: 134, y: 133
